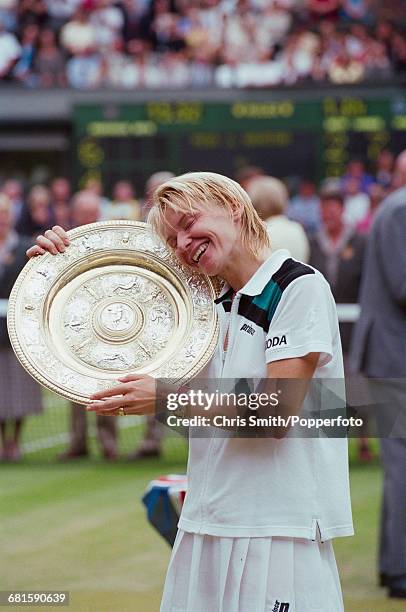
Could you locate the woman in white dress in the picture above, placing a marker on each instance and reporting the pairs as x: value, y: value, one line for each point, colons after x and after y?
x: 256, y: 529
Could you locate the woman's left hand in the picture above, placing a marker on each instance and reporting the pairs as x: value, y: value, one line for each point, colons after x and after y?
x: 136, y: 395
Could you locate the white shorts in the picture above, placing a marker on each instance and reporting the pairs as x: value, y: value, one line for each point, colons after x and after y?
x: 274, y: 574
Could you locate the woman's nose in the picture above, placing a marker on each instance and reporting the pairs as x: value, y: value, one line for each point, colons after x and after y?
x: 182, y: 241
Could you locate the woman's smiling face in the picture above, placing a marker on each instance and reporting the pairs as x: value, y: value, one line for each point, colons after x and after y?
x: 204, y: 239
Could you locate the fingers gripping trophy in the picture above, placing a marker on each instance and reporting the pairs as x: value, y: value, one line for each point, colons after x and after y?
x: 104, y: 311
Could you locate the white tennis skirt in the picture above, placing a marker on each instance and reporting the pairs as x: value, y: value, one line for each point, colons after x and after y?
x: 274, y: 574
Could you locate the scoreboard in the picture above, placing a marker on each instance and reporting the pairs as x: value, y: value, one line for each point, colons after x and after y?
x: 287, y: 137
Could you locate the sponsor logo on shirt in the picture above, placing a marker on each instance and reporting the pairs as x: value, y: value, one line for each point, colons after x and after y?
x: 247, y: 328
x: 276, y: 341
x: 280, y: 606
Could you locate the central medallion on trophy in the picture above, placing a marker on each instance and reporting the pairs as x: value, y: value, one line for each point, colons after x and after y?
x: 117, y: 320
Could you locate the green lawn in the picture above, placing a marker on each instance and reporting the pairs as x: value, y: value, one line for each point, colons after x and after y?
x: 82, y: 528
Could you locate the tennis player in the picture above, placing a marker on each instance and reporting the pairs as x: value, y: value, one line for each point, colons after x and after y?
x: 260, y: 514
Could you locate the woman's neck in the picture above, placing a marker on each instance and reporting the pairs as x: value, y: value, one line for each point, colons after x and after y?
x: 243, y: 267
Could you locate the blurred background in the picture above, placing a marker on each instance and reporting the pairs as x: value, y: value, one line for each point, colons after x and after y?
x: 303, y: 103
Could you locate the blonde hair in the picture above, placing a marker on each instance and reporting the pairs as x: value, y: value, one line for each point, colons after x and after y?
x: 194, y: 190
x: 269, y: 196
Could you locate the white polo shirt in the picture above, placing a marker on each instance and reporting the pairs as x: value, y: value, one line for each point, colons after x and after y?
x: 255, y: 487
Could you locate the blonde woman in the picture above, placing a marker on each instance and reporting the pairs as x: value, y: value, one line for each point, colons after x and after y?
x: 256, y: 528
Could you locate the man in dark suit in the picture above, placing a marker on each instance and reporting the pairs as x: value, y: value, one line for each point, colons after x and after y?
x: 378, y: 350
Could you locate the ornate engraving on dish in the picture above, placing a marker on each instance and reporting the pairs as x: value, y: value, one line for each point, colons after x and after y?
x: 117, y: 301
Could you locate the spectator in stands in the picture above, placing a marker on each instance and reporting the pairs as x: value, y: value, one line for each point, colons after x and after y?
x: 38, y: 215
x: 376, y: 194
x: 60, y: 201
x: 384, y: 168
x: 356, y: 202
x: 78, y: 36
x: 10, y: 51
x: 304, y: 207
x: 32, y: 11
x: 233, y: 43
x: 8, y: 10
x: 84, y: 70
x: 355, y: 10
x: 13, y: 189
x: 107, y: 21
x: 49, y: 62
x: 23, y: 69
x: 345, y: 70
x: 356, y: 169
x: 338, y: 251
x: 20, y: 395
x: 270, y: 199
x: 246, y: 174
x: 60, y: 11
x: 124, y: 204
x: 95, y: 186
x: 86, y: 209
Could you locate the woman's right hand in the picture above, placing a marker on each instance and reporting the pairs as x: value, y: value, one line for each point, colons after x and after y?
x: 53, y: 241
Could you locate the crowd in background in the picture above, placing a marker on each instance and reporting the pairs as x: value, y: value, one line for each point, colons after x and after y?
x: 135, y: 44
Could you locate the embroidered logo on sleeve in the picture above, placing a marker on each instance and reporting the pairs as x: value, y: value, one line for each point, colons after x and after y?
x: 276, y: 341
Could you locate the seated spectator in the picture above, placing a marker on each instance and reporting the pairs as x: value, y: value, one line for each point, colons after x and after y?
x: 10, y: 51
x: 356, y: 202
x: 355, y: 10
x: 84, y: 70
x: 78, y: 36
x: 60, y: 11
x: 8, y: 11
x: 107, y: 21
x: 304, y: 207
x: 123, y: 205
x: 37, y: 216
x: 23, y: 69
x: 270, y: 198
x: 32, y: 11
x: 345, y: 70
x: 49, y: 63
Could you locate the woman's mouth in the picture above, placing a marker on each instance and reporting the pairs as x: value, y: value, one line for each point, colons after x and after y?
x: 202, y: 249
